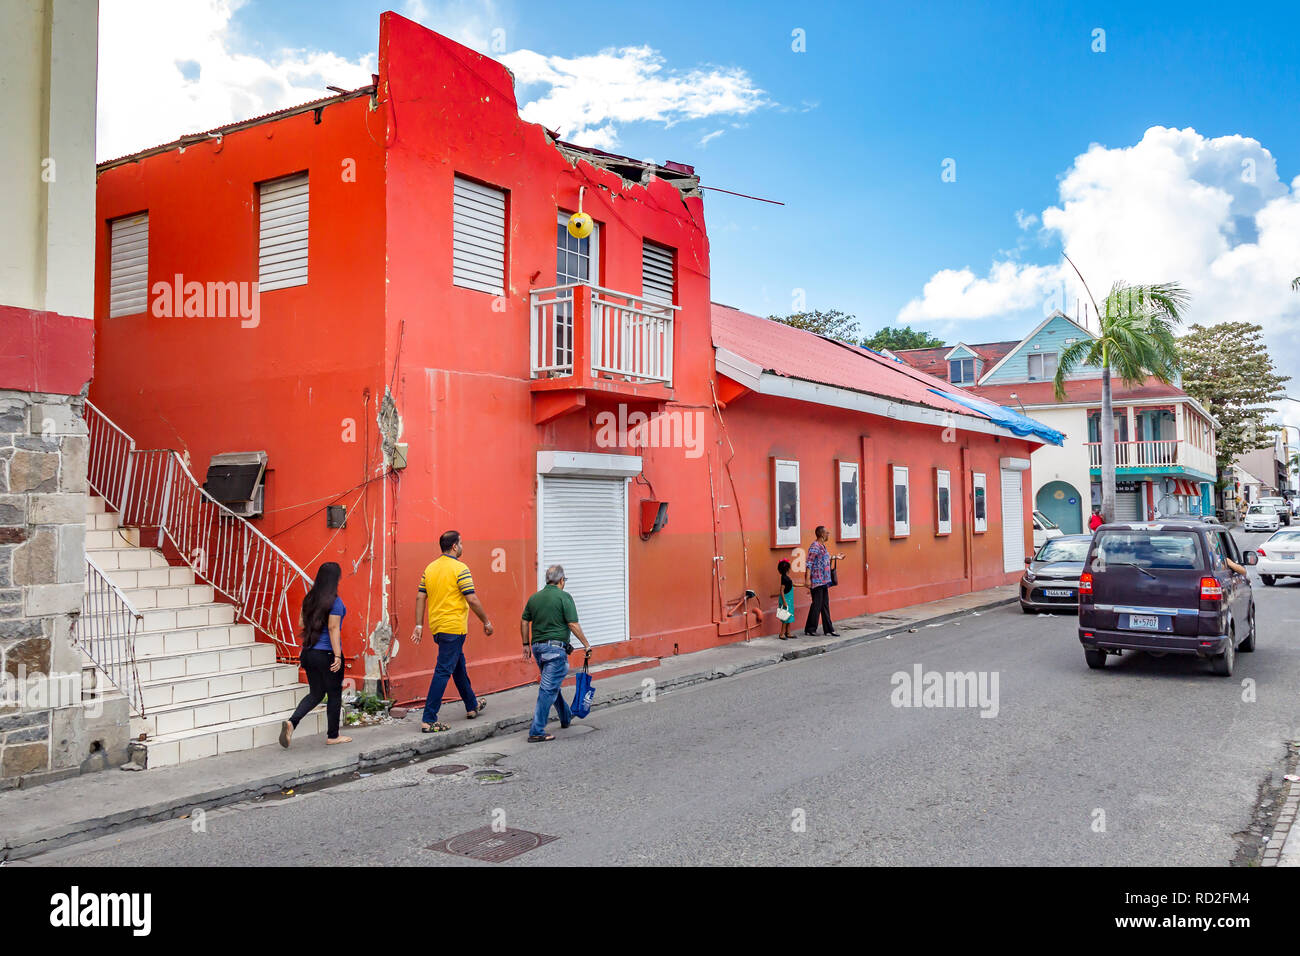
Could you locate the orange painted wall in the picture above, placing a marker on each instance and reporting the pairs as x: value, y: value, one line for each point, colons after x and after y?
x: 879, y: 571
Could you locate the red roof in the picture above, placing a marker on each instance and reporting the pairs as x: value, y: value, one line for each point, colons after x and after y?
x: 932, y: 361
x: 794, y: 353
x: 1080, y: 390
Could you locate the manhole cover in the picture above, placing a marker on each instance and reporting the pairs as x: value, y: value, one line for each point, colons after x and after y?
x: 490, y: 846
x: 443, y: 768
x: 492, y: 776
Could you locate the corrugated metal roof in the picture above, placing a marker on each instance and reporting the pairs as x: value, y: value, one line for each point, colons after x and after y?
x: 932, y: 362
x: 794, y: 353
x: 1076, y: 390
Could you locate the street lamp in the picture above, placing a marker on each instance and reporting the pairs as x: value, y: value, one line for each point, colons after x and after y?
x: 1026, y: 414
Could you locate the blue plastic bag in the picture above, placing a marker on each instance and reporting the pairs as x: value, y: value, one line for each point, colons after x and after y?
x: 584, y: 693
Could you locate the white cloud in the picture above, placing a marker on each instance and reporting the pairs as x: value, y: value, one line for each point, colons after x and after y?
x: 1210, y: 214
x: 168, y: 68
x: 1025, y: 220
x: 587, y: 97
x: 148, y: 48
x: 707, y: 137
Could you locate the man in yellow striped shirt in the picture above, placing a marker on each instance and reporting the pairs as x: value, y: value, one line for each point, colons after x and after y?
x: 446, y: 597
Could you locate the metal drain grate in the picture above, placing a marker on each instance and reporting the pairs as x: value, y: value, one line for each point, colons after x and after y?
x: 444, y: 768
x: 490, y: 846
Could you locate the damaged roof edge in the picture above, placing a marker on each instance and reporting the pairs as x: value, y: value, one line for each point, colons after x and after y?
x: 194, y: 138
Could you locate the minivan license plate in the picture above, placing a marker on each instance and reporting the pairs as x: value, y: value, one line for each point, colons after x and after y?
x: 1148, y: 622
x: 1059, y: 592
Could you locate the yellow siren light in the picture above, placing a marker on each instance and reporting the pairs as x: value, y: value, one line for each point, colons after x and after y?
x: 580, y: 224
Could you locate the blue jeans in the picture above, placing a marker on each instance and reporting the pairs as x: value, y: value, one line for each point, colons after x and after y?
x: 553, y: 662
x: 451, y: 666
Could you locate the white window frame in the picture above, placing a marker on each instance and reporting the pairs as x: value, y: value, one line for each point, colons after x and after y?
x: 979, y: 482
x: 899, y: 479
x: 942, y: 482
x: 1043, y: 375
x: 593, y: 249
x: 136, y: 301
x: 847, y: 472
x: 960, y: 364
x: 785, y: 469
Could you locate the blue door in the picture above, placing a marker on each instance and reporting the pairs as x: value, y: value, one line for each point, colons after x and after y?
x: 1061, y: 502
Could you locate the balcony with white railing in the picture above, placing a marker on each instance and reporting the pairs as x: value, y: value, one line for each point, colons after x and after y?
x: 1163, y: 456
x: 587, y: 339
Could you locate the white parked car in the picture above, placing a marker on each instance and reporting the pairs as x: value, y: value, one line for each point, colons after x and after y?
x: 1044, y: 529
x: 1261, y: 518
x: 1279, y: 556
x: 1280, y: 506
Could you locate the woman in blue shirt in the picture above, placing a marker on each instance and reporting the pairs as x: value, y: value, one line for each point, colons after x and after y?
x: 321, y: 620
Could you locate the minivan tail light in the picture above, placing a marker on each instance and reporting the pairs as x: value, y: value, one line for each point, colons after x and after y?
x: 1211, y: 589
x: 1085, y: 582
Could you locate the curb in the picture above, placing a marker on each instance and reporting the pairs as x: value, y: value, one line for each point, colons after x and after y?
x: 1284, y: 830
x: 423, y: 745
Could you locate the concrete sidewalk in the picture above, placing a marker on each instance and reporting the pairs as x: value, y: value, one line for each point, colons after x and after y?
x: 81, y: 808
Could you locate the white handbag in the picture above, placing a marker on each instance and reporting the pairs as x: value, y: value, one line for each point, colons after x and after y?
x: 783, y: 615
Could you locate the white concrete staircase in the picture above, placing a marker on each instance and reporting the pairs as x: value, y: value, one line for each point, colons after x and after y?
x: 209, y: 686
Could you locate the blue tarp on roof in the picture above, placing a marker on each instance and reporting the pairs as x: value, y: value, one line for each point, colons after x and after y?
x: 1021, y: 425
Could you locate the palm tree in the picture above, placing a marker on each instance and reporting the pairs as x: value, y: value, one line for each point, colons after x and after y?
x: 1136, y: 340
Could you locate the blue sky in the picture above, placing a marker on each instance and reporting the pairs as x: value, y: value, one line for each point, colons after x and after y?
x: 852, y: 134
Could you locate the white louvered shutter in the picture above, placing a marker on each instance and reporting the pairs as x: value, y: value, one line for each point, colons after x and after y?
x: 1013, y: 521
x: 128, y: 265
x: 656, y: 273
x: 282, y: 233
x: 584, y: 528
x: 478, y: 256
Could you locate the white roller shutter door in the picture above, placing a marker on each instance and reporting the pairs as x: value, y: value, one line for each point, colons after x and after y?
x: 478, y: 237
x: 583, y: 526
x: 128, y: 265
x: 282, y: 233
x: 1128, y: 506
x: 1013, y: 521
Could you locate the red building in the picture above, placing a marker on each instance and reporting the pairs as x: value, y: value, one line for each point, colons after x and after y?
x: 430, y: 348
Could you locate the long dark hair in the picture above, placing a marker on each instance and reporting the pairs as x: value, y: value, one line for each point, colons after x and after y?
x: 316, y: 605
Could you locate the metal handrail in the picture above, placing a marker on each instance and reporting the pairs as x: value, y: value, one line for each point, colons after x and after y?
x: 106, y: 631
x: 153, y: 488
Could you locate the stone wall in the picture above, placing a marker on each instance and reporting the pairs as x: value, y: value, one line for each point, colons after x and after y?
x: 46, y: 731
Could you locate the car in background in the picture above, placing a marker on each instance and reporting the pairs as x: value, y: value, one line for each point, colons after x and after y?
x: 1279, y: 556
x: 1280, y: 506
x: 1051, y: 578
x: 1044, y: 529
x: 1261, y: 518
x: 1166, y: 587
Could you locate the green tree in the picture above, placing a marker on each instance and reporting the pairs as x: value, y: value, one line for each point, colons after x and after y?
x: 1227, y: 368
x: 895, y: 337
x: 1136, y: 340
x: 832, y: 323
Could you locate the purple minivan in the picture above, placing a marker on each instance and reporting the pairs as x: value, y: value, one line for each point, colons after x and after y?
x: 1165, y: 587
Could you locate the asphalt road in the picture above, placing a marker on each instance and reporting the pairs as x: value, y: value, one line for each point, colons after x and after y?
x: 1151, y: 761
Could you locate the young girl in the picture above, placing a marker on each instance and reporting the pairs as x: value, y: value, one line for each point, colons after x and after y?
x: 785, y: 599
x: 322, y: 654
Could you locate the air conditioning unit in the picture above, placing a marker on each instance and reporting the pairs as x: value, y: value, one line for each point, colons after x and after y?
x: 236, y: 479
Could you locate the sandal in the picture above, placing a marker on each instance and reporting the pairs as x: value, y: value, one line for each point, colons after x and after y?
x: 436, y: 727
x: 482, y: 706
x: 540, y: 738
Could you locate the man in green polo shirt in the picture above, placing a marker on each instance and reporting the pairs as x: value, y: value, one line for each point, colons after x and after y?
x: 550, y: 616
